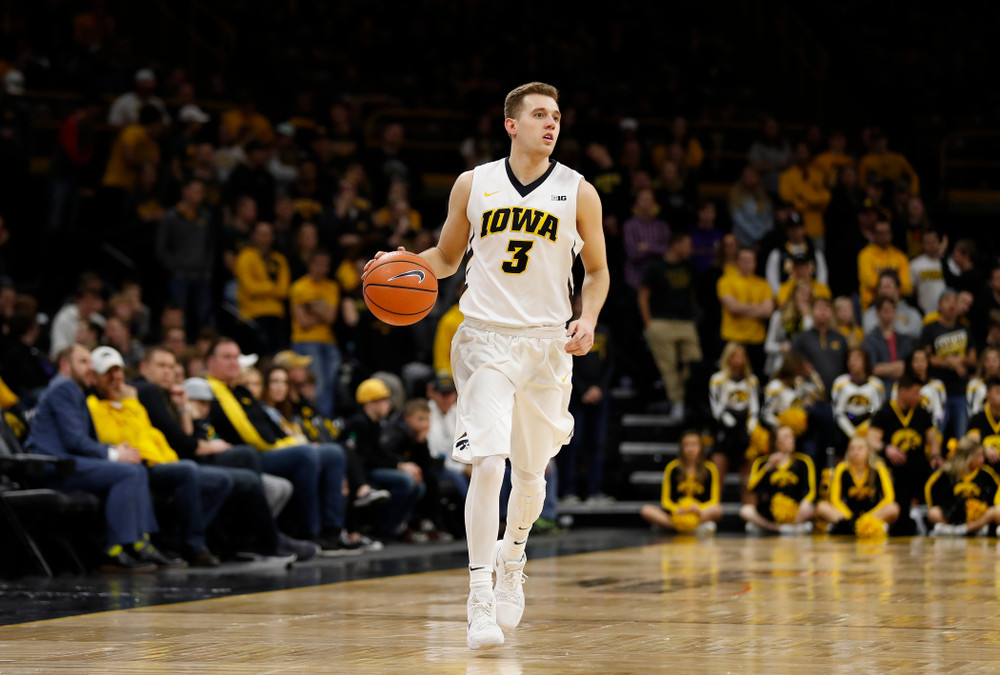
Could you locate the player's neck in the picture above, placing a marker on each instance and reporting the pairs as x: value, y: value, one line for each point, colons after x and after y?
x: 528, y: 168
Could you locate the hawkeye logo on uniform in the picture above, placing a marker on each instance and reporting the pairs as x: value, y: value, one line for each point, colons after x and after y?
x: 517, y: 219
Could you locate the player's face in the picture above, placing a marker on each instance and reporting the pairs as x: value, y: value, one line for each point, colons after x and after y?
x: 537, y: 125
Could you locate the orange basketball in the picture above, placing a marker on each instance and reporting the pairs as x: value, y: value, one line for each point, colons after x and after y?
x: 400, y: 288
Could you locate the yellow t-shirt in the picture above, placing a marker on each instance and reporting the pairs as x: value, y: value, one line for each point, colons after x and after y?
x: 749, y: 290
x: 828, y: 163
x: 304, y: 291
x: 246, y: 128
x: 890, y: 166
x: 447, y: 325
x: 127, y: 420
x: 808, y: 194
x: 819, y: 289
x: 118, y: 173
x: 872, y: 261
x: 261, y: 284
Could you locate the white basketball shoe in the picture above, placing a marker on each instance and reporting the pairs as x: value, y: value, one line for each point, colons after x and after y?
x: 483, y: 628
x: 509, y: 593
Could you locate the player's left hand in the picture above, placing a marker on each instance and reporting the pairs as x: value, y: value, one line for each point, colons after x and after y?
x: 378, y: 255
x: 581, y: 336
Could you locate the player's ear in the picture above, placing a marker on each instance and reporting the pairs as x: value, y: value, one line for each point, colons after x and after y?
x: 510, y: 125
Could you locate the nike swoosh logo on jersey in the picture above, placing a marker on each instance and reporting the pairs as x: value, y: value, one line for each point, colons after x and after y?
x: 490, y: 194
x: 411, y: 273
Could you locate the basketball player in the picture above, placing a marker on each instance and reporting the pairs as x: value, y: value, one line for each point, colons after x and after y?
x: 524, y: 219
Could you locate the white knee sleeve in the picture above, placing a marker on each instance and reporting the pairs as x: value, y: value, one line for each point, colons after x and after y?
x: 527, y: 497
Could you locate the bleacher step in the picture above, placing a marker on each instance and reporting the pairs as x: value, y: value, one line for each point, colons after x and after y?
x: 624, y: 508
x: 638, y: 448
x: 656, y: 477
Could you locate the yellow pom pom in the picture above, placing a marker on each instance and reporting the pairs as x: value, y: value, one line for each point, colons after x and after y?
x: 796, y: 419
x: 952, y: 445
x: 784, y: 509
x: 870, y: 527
x: 760, y: 443
x: 974, y: 509
x: 686, y: 522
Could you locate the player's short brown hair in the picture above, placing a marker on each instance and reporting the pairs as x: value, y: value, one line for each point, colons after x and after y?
x: 512, y: 104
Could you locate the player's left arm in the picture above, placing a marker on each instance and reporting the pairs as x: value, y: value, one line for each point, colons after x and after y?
x: 597, y: 279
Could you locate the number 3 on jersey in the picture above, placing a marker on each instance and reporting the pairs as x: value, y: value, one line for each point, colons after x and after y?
x: 519, y: 261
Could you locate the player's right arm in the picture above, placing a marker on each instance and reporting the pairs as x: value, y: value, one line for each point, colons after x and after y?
x: 446, y: 257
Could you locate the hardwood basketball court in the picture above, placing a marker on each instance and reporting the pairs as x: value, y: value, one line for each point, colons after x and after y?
x: 683, y: 605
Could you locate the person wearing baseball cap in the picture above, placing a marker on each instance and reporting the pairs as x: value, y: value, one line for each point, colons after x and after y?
x: 62, y: 428
x: 198, y: 491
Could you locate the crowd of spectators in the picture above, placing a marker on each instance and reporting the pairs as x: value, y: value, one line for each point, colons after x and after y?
x: 236, y: 235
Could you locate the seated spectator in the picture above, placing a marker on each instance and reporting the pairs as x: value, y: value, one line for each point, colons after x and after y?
x: 197, y: 492
x: 887, y: 348
x: 792, y: 318
x: 770, y: 154
x: 690, y: 500
x: 706, y: 236
x: 441, y: 400
x: 903, y: 433
x: 983, y: 426
x: 830, y: 162
x: 125, y: 109
x: 135, y: 146
x: 846, y: 321
x: 383, y: 467
x: 118, y: 336
x: 26, y: 369
x: 74, y: 316
x: 169, y: 406
x: 961, y: 495
x: 239, y: 418
x: 908, y: 320
x: 975, y: 391
x: 878, y: 257
x: 62, y: 428
x: 784, y: 483
x: 821, y: 345
x: 856, y: 395
x: 862, y: 500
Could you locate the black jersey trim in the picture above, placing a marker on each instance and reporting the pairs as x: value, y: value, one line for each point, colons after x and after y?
x: 525, y: 190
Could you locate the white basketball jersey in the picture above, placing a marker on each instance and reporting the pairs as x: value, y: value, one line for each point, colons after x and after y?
x: 523, y: 241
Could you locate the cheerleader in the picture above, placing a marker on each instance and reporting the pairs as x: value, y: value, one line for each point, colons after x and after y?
x: 862, y: 500
x: 691, y: 491
x: 734, y: 397
x: 932, y: 391
x: 856, y: 395
x: 975, y: 391
x: 784, y: 484
x: 962, y: 494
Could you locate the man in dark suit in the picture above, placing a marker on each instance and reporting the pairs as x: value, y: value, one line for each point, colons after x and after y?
x: 62, y: 428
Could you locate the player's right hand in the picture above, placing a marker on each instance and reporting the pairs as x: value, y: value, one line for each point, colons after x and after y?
x: 378, y: 255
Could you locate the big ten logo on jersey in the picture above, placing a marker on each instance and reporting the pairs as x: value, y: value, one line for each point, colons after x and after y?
x: 517, y: 219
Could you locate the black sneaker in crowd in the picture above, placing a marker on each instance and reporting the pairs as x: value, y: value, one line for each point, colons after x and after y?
x: 333, y: 545
x: 124, y: 563
x: 302, y: 550
x: 151, y: 554
x: 204, y: 558
x: 371, y: 498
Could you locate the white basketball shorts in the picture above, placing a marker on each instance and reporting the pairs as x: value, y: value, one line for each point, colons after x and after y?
x: 514, y: 387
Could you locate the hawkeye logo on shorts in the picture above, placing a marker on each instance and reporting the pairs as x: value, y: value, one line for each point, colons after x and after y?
x: 412, y: 273
x: 517, y: 219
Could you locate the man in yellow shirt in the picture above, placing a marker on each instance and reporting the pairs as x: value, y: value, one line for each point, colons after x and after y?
x: 804, y: 187
x: 829, y: 162
x: 262, y: 280
x: 314, y: 300
x: 802, y: 267
x: 877, y: 257
x: 135, y: 146
x: 747, y: 304
x: 197, y: 491
x: 891, y: 167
